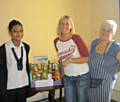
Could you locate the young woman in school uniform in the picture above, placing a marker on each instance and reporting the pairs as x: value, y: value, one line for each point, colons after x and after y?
x: 14, y: 67
x: 73, y: 56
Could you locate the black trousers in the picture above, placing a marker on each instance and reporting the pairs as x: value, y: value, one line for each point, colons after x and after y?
x: 16, y: 95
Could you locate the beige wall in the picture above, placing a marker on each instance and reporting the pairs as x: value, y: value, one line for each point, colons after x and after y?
x: 40, y: 18
x: 102, y: 10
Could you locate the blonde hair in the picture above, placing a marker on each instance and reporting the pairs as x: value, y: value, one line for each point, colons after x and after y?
x: 72, y: 31
x: 110, y: 25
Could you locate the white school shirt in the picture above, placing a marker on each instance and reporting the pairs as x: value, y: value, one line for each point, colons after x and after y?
x: 16, y: 79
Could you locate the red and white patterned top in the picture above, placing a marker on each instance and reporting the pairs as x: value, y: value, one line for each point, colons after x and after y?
x: 72, y: 48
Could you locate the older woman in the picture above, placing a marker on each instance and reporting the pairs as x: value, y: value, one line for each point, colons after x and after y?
x: 104, y: 63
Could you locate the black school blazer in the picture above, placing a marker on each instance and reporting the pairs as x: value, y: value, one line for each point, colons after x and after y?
x: 3, y: 67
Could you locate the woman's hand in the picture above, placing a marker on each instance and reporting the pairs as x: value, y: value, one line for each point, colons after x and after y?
x: 66, y: 62
x: 118, y: 69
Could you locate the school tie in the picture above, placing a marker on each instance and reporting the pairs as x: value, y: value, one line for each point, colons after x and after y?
x: 19, y: 61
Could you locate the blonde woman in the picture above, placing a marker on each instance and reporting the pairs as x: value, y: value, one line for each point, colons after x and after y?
x: 73, y: 56
x: 104, y: 63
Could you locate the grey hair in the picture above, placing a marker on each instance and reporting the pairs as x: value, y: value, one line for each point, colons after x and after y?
x: 109, y: 24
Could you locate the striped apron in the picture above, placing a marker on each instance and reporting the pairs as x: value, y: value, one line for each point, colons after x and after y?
x: 102, y: 78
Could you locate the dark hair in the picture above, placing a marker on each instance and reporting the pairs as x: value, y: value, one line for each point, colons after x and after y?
x: 13, y: 23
